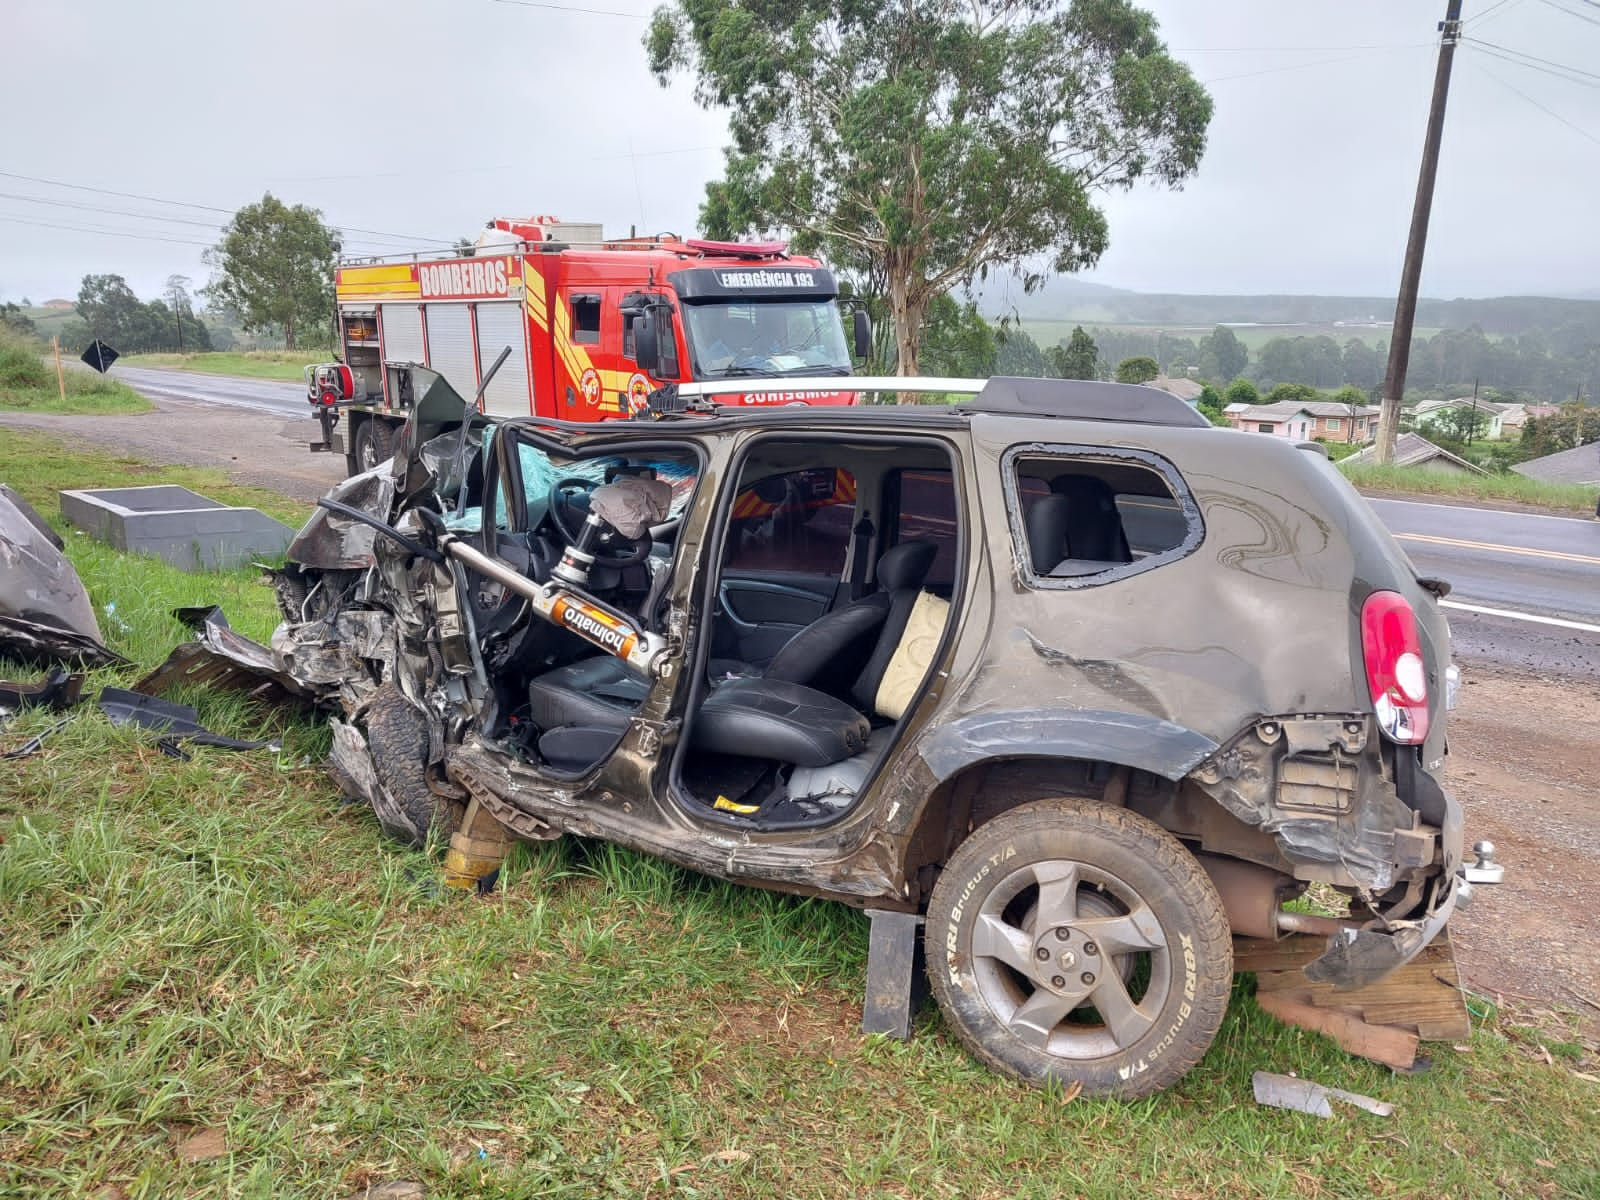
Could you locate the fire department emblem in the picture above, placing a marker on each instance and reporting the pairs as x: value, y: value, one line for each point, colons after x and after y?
x: 589, y: 385
x: 638, y: 391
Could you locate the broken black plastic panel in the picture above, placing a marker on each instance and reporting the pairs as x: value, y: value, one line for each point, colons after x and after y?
x: 178, y: 721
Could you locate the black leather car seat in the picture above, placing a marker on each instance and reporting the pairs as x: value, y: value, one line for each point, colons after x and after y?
x: 774, y: 715
x: 851, y: 629
x: 1094, y: 523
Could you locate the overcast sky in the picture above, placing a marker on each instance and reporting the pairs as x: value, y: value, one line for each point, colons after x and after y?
x: 418, y: 119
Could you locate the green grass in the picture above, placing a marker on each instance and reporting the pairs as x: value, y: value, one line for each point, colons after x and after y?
x: 29, y: 384
x: 254, y: 364
x: 1518, y: 489
x: 222, y: 944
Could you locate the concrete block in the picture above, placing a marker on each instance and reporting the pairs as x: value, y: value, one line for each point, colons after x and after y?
x: 184, y: 528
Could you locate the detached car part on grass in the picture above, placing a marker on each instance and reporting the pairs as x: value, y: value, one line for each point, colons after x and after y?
x: 1080, y: 681
x: 45, y: 613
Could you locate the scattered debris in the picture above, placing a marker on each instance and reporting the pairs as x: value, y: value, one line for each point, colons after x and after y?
x: 220, y: 657
x: 403, y: 1189
x: 1485, y: 869
x: 178, y: 721
x: 203, y: 1146
x: 1383, y: 1022
x: 1302, y: 1095
x: 36, y: 743
x: 58, y: 691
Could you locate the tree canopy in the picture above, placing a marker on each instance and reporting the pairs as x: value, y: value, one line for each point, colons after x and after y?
x: 1079, y: 358
x: 275, y: 267
x: 109, y: 310
x: 1141, y: 369
x: 929, y: 142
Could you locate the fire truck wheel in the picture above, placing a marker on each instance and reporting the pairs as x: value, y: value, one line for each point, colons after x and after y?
x: 372, y: 442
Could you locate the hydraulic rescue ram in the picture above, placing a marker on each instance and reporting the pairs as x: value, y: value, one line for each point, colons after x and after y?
x: 585, y: 616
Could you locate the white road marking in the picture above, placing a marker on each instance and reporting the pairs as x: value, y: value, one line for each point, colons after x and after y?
x: 1503, y: 512
x: 1520, y: 616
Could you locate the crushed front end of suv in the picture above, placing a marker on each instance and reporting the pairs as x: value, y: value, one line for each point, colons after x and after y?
x: 1084, y: 683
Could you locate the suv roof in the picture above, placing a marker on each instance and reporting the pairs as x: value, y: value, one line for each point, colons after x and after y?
x: 1056, y: 399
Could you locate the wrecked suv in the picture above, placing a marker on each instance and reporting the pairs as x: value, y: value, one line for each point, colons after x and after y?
x: 1076, y: 682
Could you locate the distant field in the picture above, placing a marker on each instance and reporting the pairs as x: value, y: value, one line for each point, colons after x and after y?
x: 253, y: 364
x: 1051, y: 332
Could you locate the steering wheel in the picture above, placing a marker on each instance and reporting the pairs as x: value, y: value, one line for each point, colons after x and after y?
x: 611, y: 549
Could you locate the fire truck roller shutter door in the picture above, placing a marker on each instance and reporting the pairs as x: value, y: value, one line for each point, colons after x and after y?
x: 500, y: 325
x: 402, y: 333
x: 450, y: 346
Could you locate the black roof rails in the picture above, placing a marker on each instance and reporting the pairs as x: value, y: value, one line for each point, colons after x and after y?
x: 1082, y: 400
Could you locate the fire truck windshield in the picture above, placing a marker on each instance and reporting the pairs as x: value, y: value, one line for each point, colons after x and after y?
x: 769, y: 337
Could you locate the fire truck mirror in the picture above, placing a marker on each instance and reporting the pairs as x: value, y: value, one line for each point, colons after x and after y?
x: 863, y: 333
x: 646, y: 343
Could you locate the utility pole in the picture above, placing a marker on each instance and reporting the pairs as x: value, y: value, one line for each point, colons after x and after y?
x: 1405, y: 309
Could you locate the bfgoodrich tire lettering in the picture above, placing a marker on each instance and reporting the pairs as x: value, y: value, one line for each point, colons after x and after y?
x: 1070, y: 942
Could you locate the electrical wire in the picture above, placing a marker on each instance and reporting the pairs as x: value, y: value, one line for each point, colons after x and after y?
x: 1561, y: 8
x: 1570, y: 74
x: 1303, y: 66
x: 124, y: 233
x: 574, y: 8
x: 404, y: 239
x: 116, y: 212
x: 1578, y: 129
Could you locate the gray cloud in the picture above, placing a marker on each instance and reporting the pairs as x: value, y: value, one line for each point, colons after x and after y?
x: 421, y: 118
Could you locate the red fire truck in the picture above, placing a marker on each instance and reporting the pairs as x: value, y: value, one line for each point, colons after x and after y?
x: 568, y: 304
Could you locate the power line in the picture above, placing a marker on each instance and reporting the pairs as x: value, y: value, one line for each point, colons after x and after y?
x: 406, y: 239
x: 1534, y: 58
x: 1543, y: 66
x: 1578, y: 129
x: 116, y: 212
x: 1561, y: 8
x: 574, y: 8
x: 124, y: 233
x: 1305, y: 66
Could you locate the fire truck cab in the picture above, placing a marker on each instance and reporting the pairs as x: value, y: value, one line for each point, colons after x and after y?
x: 567, y: 304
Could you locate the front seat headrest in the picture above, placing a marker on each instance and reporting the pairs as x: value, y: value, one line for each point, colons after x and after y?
x: 905, y: 565
x: 1046, y: 523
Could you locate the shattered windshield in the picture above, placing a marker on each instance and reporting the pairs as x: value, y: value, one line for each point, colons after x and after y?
x: 773, y: 337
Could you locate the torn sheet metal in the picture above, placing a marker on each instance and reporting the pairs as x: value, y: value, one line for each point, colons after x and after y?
x: 45, y: 612
x: 57, y: 691
x: 177, y: 721
x: 1302, y: 1095
x: 332, y: 542
x: 221, y: 657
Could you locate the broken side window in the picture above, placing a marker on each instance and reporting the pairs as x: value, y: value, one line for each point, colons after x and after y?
x: 1084, y: 516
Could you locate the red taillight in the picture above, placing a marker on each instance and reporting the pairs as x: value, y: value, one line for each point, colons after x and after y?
x: 1397, y: 677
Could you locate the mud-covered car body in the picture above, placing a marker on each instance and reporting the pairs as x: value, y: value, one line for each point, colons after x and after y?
x: 1201, y: 668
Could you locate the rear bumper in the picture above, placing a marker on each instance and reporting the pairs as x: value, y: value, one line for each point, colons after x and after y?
x: 1358, y: 957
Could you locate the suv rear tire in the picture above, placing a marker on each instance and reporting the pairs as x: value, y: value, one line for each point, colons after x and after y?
x: 1073, y: 943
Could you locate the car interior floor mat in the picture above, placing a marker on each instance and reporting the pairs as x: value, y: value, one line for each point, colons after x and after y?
x: 59, y: 690
x: 34, y: 744
x: 178, y: 721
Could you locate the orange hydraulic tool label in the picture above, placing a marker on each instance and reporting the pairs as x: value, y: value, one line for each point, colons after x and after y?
x: 594, y: 625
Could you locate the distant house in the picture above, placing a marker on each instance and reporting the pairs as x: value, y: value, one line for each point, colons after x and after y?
x: 1186, y: 390
x: 1429, y: 411
x: 1580, y: 466
x: 59, y: 304
x: 1414, y: 450
x: 1515, y: 417
x: 1303, y: 422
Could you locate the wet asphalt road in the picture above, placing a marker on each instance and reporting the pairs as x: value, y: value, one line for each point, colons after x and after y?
x: 1538, y: 569
x: 277, y: 396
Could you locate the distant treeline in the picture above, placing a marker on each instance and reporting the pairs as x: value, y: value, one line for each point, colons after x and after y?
x: 1552, y: 365
x: 1499, y: 316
